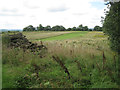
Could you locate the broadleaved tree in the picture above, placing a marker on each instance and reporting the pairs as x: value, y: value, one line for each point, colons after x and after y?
x: 58, y: 28
x: 47, y: 28
x: 111, y: 26
x: 40, y: 27
x: 85, y: 28
x: 97, y: 28
x: 29, y: 28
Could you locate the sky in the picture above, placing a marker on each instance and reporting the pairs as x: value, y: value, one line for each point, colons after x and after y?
x: 17, y: 14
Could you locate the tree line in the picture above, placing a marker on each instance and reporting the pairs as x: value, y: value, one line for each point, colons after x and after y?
x: 60, y: 28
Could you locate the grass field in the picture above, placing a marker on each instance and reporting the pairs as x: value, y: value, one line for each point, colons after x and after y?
x: 43, y: 34
x: 86, y: 56
x: 64, y: 36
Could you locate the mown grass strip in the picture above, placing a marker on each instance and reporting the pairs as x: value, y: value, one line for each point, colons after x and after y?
x: 65, y: 36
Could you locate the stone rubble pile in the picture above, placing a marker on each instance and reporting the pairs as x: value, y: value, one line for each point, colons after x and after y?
x: 19, y: 40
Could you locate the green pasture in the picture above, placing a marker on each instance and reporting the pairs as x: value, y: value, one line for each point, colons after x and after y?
x: 65, y: 36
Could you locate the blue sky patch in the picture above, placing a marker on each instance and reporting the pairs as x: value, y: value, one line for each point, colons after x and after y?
x: 98, y: 5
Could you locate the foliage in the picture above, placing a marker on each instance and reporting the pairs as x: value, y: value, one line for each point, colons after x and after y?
x: 40, y: 28
x: 56, y: 28
x: 47, y: 28
x: 97, y: 28
x: 29, y: 28
x: 69, y: 29
x: 111, y: 27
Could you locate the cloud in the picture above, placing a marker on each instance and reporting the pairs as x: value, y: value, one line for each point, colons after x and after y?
x: 97, y: 0
x: 57, y: 9
x: 79, y: 14
x: 5, y: 14
x: 68, y: 13
x: 31, y: 4
x: 6, y: 25
x: 9, y: 10
x: 31, y: 7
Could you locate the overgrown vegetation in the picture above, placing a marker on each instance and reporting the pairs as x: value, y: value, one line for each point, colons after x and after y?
x: 81, y: 62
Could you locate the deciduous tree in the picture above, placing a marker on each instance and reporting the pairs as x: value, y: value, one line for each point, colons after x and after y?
x: 111, y: 26
x: 29, y: 28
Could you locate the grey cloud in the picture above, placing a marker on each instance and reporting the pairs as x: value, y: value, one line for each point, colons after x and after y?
x: 5, y: 14
x: 30, y: 6
x: 57, y: 9
x: 93, y: 22
x: 79, y: 14
x: 96, y: 18
x: 9, y: 10
x: 9, y: 24
x: 32, y: 16
x: 6, y: 25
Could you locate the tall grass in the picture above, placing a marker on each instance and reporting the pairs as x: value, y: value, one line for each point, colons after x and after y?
x: 88, y: 62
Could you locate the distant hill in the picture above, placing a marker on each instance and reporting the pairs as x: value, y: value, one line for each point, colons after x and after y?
x: 5, y: 30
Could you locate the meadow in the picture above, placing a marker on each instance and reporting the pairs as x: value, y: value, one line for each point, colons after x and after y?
x: 80, y: 59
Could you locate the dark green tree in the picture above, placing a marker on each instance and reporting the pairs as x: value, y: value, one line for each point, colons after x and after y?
x: 29, y: 28
x: 55, y: 28
x: 80, y: 27
x: 85, y: 28
x: 40, y: 28
x: 74, y: 29
x: 111, y: 26
x: 69, y: 29
x: 58, y: 28
x: 97, y: 28
x: 90, y: 29
x: 62, y: 28
x: 47, y: 28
